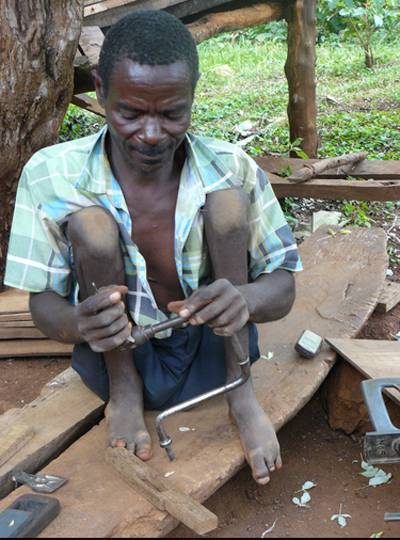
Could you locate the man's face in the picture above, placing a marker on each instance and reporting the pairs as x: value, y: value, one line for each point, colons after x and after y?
x: 148, y: 113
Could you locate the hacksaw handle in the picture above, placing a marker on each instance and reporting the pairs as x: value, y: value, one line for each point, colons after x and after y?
x: 372, y: 392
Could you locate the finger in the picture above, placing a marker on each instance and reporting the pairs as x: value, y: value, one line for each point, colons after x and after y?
x: 93, y: 333
x: 109, y: 343
x: 106, y: 297
x: 175, y: 307
x: 101, y: 319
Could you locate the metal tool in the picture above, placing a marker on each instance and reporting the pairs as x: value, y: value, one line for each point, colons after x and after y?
x: 244, y: 363
x: 383, y: 445
x: 42, y: 483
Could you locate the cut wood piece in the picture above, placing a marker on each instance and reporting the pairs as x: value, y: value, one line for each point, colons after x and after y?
x: 6, y: 323
x: 314, y: 169
x: 389, y: 297
x: 21, y: 333
x: 89, y: 104
x: 64, y: 410
x: 336, y: 293
x: 34, y: 347
x: 374, y: 359
x: 90, y: 43
x: 14, y: 440
x: 14, y: 301
x: 160, y: 491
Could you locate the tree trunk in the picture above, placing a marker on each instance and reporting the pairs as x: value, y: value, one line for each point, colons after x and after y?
x: 300, y: 73
x: 38, y: 42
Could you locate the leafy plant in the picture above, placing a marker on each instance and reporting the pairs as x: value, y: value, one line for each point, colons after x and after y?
x: 356, y: 214
x: 365, y: 17
x: 342, y: 518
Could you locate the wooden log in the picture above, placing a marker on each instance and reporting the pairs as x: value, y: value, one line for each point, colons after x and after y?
x: 218, y: 23
x: 300, y: 73
x: 335, y: 295
x: 314, y: 169
x: 160, y: 492
x: 89, y: 104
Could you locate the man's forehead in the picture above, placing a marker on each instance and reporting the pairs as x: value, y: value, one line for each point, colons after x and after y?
x: 127, y: 68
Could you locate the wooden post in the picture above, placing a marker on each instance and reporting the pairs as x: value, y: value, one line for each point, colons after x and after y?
x: 300, y: 73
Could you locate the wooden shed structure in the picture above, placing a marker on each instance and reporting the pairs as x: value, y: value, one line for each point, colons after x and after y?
x: 206, y: 18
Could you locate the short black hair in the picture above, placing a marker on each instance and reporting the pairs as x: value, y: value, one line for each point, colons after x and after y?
x: 148, y: 37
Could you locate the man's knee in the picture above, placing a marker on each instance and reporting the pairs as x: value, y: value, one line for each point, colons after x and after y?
x: 227, y: 210
x: 93, y: 230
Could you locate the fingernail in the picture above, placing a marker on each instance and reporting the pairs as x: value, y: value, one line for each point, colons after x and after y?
x: 184, y: 312
x: 115, y: 296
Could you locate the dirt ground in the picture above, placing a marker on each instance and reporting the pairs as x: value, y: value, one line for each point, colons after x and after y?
x: 311, y: 451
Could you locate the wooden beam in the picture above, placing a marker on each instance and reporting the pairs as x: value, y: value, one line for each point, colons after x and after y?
x: 218, y: 23
x: 89, y: 104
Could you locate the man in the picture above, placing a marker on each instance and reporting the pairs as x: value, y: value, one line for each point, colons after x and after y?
x: 145, y: 220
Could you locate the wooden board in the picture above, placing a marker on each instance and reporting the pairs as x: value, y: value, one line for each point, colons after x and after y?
x: 389, y: 297
x: 62, y: 412
x: 18, y: 332
x: 104, y: 13
x: 14, y: 301
x: 374, y: 359
x: 336, y: 293
x: 33, y: 347
x: 384, y: 186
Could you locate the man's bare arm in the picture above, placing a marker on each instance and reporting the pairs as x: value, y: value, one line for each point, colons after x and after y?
x: 99, y: 320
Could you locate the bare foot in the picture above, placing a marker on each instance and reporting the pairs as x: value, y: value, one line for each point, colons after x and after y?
x: 127, y: 429
x: 258, y: 438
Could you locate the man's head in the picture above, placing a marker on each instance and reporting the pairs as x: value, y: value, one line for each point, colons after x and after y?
x: 152, y: 38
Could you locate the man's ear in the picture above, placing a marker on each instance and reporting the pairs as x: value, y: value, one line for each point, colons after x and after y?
x: 98, y: 84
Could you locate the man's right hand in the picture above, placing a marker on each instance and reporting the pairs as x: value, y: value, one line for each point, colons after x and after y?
x: 102, y: 320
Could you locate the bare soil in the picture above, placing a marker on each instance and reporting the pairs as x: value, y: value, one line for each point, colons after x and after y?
x: 311, y: 451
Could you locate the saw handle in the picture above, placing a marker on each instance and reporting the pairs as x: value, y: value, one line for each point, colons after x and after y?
x: 372, y: 392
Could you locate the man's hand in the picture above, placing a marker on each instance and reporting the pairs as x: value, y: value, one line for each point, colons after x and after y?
x: 220, y: 305
x: 102, y: 320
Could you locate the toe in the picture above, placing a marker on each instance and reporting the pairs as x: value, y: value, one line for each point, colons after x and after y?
x: 259, y: 468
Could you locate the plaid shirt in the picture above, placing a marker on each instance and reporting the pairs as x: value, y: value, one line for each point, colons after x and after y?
x: 64, y: 178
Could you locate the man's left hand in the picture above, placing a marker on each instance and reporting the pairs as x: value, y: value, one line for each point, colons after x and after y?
x: 221, y: 305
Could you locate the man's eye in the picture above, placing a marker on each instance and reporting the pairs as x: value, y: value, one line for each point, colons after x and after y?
x: 173, y: 115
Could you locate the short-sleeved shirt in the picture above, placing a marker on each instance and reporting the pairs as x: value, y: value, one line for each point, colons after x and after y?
x: 67, y: 177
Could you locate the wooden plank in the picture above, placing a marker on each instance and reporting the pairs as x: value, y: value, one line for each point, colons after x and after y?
x: 108, y: 12
x: 14, y: 301
x: 24, y: 317
x: 379, y: 170
x: 60, y: 414
x: 89, y: 104
x: 33, y: 347
x: 389, y: 297
x: 90, y: 42
x: 160, y: 491
x: 331, y: 188
x: 16, y: 438
x: 21, y: 333
x: 374, y: 359
x: 335, y: 295
x: 6, y: 323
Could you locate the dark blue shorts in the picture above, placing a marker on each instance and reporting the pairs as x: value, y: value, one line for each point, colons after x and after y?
x: 174, y: 369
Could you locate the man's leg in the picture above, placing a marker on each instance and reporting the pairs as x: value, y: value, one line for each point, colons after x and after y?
x: 98, y: 259
x: 227, y: 233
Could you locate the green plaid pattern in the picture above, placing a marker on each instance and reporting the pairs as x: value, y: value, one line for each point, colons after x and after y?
x: 64, y: 178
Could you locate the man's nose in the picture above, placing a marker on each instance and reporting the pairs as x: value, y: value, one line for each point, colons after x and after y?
x: 151, y: 132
